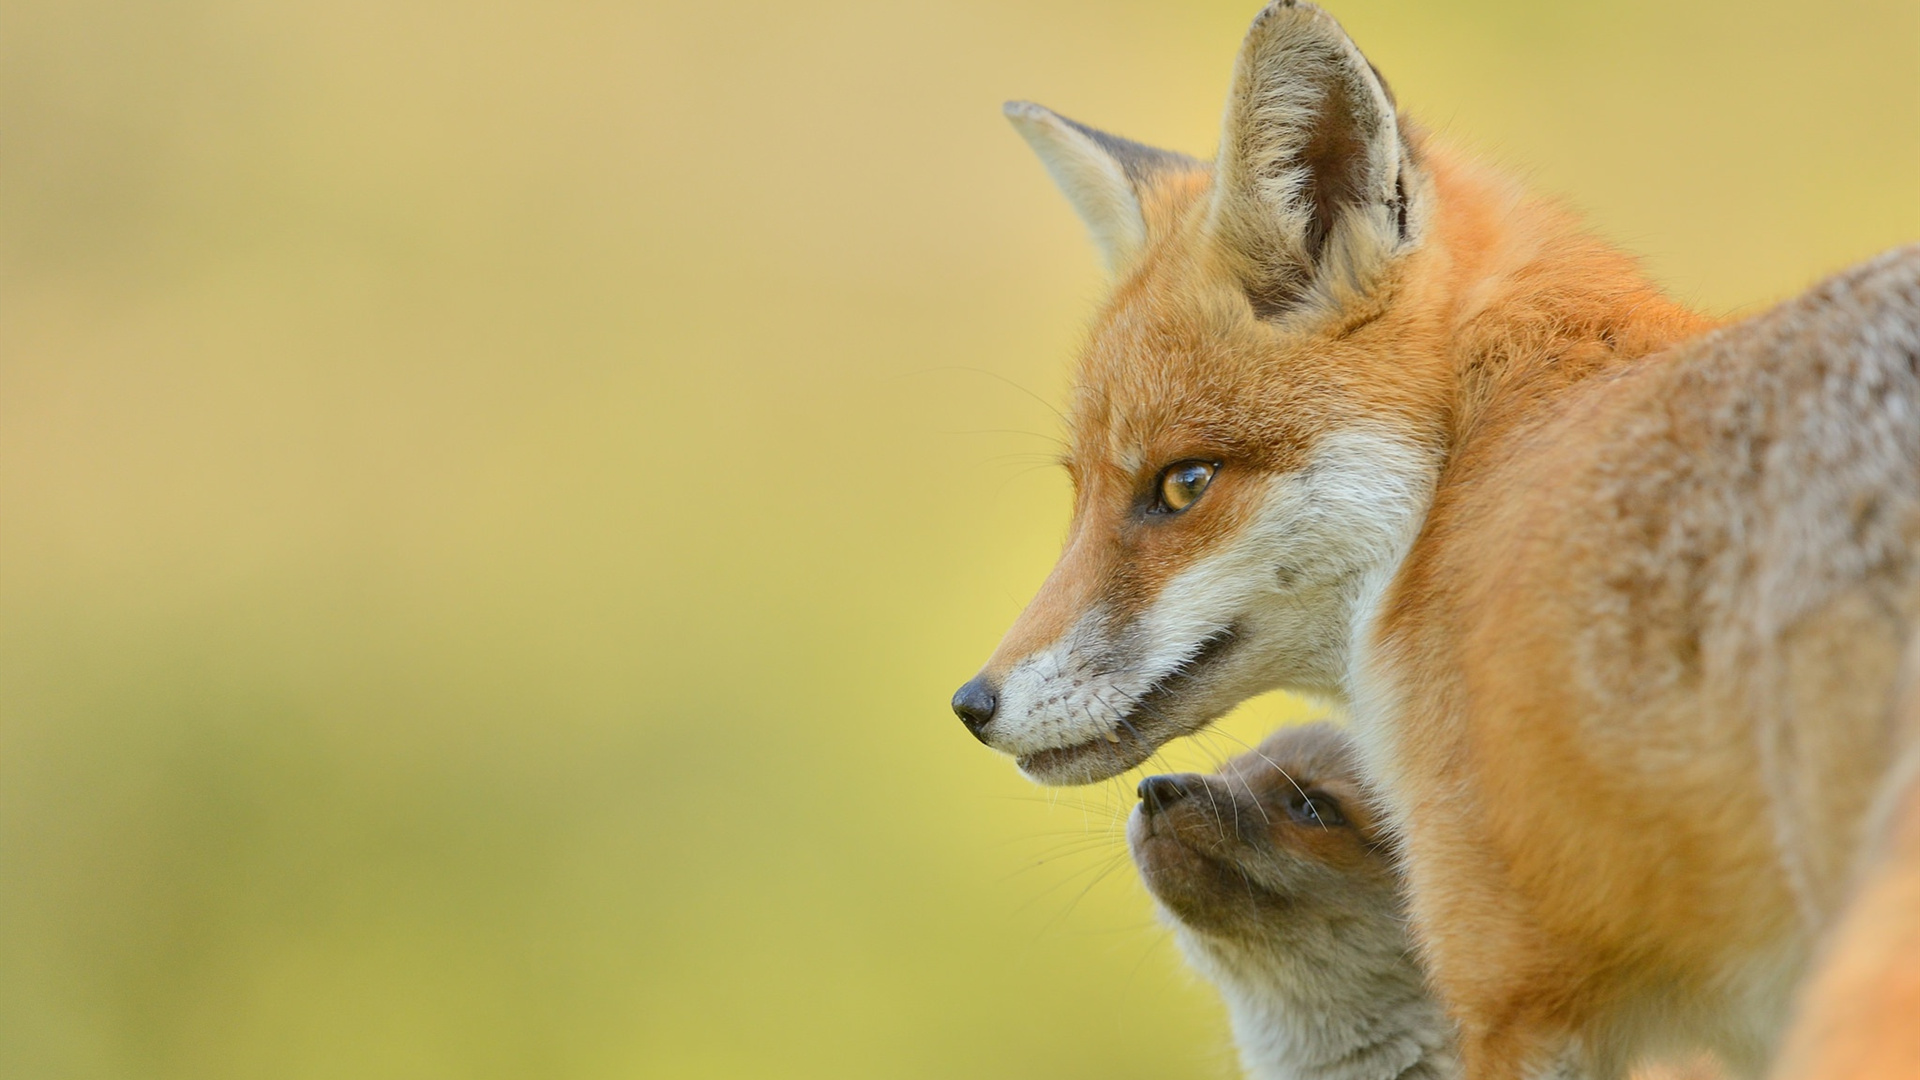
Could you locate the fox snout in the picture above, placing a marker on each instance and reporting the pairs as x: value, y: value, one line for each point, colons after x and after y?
x: 1098, y: 702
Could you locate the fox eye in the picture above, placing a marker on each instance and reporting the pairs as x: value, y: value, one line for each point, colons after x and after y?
x: 1182, y: 483
x: 1314, y: 808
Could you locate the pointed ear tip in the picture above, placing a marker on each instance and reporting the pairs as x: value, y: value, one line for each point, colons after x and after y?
x: 1291, y: 13
x: 1302, y: 7
x: 1025, y: 110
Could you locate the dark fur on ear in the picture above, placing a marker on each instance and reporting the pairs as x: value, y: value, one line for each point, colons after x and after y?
x: 1139, y: 161
x: 1104, y: 176
x: 1314, y: 177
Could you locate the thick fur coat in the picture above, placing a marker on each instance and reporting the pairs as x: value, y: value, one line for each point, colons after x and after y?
x: 1617, y: 597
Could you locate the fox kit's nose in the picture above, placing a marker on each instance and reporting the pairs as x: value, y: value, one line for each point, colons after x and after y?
x: 1159, y: 792
x: 974, y: 703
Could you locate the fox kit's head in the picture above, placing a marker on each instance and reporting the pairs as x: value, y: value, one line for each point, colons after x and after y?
x: 1283, y: 834
x: 1281, y: 888
x: 1254, y: 438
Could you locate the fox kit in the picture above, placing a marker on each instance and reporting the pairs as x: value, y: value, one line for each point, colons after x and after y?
x: 1616, y: 597
x: 1282, y: 889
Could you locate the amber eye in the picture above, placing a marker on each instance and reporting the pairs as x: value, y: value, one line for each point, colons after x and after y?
x: 1181, y: 484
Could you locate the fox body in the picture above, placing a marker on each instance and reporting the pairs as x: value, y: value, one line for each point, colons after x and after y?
x: 1617, y: 596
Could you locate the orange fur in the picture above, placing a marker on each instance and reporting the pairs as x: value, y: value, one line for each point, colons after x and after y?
x: 1621, y: 640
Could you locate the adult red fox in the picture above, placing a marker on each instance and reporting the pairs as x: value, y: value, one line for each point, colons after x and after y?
x: 1617, y: 597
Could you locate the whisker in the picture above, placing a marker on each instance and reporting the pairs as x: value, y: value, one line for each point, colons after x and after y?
x: 996, y: 375
x: 1055, y: 439
x: 1284, y: 774
x: 1097, y: 879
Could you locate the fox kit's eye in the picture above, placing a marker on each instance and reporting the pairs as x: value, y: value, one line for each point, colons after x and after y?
x: 1314, y: 808
x: 1181, y: 484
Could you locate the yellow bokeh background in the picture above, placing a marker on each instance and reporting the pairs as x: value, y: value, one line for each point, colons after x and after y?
x: 494, y: 498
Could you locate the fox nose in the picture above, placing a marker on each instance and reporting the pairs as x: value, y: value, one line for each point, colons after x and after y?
x: 1157, y: 793
x: 974, y: 703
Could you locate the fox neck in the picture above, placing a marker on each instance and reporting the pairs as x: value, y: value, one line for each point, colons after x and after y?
x: 1532, y: 302
x: 1525, y: 305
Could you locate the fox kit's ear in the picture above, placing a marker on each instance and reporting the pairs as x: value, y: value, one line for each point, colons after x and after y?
x: 1105, y: 177
x: 1313, y: 179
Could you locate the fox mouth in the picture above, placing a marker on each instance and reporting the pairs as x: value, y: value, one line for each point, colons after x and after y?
x: 1166, y: 852
x: 1084, y: 763
x: 1150, y: 708
x: 1191, y: 869
x: 1146, y: 726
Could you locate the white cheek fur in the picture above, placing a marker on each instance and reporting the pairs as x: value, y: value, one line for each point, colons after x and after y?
x: 1296, y: 583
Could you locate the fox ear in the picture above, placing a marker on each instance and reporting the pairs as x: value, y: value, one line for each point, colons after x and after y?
x: 1313, y: 176
x: 1104, y: 176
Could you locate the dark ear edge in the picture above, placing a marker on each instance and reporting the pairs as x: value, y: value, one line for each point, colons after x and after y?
x: 1105, y: 177
x: 1141, y: 163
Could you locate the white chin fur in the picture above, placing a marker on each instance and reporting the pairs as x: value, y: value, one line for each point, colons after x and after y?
x: 1288, y: 585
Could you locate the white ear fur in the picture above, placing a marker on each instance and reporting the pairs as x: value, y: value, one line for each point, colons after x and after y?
x: 1100, y: 175
x: 1312, y: 177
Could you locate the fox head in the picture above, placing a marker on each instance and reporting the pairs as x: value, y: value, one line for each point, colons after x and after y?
x: 1255, y: 434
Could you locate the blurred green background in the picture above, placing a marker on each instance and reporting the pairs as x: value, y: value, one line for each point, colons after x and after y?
x: 494, y: 498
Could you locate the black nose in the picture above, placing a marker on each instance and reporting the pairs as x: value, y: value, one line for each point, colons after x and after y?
x: 1159, y: 792
x: 974, y: 704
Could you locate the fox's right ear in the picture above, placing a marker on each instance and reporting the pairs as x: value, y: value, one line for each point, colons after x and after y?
x: 1104, y: 176
x: 1316, y: 189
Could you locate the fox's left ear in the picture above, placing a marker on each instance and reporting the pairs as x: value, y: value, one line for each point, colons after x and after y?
x: 1108, y: 179
x: 1315, y: 187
